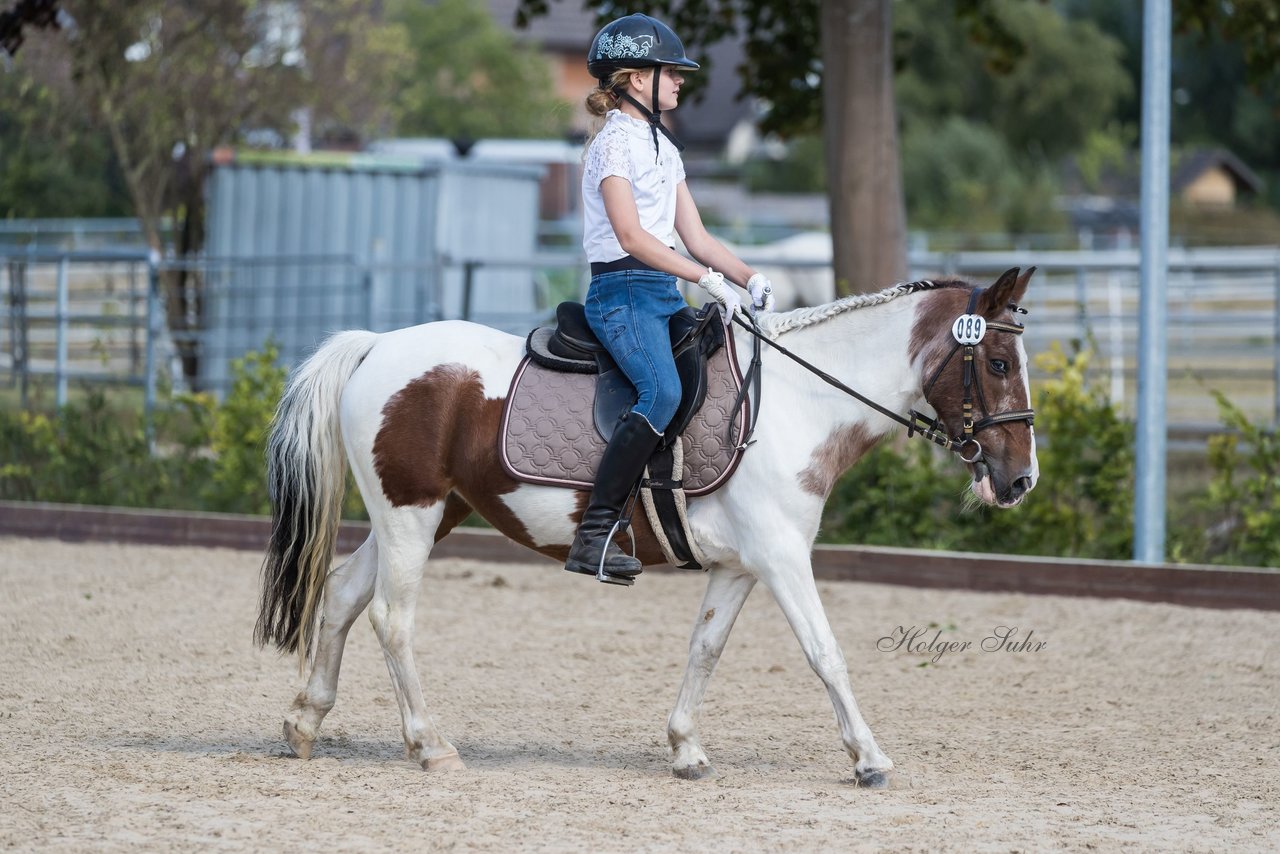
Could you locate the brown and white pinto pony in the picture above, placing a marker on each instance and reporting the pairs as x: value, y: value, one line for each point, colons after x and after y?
x: 418, y: 412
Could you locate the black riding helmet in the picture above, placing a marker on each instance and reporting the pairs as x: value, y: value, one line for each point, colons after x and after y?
x: 638, y: 41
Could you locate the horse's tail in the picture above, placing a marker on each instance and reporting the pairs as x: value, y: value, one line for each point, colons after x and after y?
x: 306, y: 479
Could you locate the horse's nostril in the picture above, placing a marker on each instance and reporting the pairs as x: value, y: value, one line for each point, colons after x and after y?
x: 1020, y: 486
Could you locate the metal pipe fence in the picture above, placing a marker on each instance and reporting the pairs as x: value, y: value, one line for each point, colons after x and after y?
x: 129, y: 319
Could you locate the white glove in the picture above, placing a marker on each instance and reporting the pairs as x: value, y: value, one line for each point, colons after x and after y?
x: 723, y: 293
x: 761, y: 290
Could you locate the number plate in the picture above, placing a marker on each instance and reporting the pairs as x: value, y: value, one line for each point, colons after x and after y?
x: 969, y: 328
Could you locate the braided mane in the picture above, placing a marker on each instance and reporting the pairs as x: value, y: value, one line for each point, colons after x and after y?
x: 774, y: 325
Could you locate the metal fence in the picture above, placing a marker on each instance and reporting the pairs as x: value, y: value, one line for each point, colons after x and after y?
x: 79, y: 235
x: 109, y: 317
x: 91, y: 316
x: 126, y: 318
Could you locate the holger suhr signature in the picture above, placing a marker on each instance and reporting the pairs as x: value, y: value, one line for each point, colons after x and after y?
x: 929, y: 641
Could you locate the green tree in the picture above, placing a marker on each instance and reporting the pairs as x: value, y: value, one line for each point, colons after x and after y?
x: 470, y: 79
x: 168, y: 82
x: 1252, y: 25
x: 1225, y: 75
x: 820, y: 65
x: 1065, y: 82
x: 963, y: 174
x: 53, y: 162
x: 981, y: 147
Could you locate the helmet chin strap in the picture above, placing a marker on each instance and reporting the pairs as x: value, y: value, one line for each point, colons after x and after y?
x: 655, y: 115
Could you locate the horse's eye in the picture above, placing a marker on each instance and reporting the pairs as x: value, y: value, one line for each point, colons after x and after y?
x: 1000, y: 366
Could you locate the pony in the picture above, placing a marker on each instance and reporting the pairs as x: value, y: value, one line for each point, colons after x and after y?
x: 418, y: 410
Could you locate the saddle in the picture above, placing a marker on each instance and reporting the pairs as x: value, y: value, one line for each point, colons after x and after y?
x: 571, y: 346
x: 568, y: 393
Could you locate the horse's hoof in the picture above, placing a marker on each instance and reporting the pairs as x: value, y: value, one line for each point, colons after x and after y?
x: 448, y: 762
x: 300, y: 745
x: 695, y: 772
x: 872, y: 779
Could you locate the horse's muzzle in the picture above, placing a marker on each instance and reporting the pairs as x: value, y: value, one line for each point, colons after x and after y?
x: 1016, y: 492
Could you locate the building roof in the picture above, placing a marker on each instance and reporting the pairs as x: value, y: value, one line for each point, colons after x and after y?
x: 1192, y: 164
x: 1123, y: 179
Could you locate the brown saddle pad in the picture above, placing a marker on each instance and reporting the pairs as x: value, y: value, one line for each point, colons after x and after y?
x: 548, y: 436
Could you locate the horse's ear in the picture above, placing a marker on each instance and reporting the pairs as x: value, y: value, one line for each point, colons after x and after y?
x: 1009, y: 288
x: 1021, y: 290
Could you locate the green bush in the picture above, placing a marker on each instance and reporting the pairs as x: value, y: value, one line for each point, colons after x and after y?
x: 92, y: 453
x: 239, y: 434
x: 1083, y: 503
x: 910, y: 497
x: 1243, y: 498
x: 201, y: 455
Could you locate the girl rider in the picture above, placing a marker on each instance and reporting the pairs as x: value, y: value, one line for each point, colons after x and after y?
x: 634, y: 202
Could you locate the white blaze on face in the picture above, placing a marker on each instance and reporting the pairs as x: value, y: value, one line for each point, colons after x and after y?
x: 984, y: 489
x: 1026, y: 383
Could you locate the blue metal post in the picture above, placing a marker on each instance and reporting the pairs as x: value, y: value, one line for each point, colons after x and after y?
x: 60, y: 359
x: 1149, y: 506
x: 1275, y: 348
x: 154, y: 330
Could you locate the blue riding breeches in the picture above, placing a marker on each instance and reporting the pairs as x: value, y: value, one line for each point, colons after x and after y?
x: 630, y: 311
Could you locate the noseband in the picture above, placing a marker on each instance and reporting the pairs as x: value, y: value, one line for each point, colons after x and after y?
x: 969, y: 329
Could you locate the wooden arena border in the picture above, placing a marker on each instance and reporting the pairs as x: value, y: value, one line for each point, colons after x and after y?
x: 1204, y: 586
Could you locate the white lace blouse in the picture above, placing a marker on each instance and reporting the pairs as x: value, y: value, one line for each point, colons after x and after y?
x: 624, y: 147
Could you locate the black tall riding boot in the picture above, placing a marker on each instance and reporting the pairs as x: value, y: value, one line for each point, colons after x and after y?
x: 623, y: 463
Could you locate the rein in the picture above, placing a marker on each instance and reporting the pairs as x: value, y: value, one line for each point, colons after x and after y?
x: 917, y: 424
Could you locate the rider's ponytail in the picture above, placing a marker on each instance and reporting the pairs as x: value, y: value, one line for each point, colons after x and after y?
x: 605, y: 97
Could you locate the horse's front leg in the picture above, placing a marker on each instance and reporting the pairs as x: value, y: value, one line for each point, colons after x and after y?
x: 789, y: 576
x: 727, y: 589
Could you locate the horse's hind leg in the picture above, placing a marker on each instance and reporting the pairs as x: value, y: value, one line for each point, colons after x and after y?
x: 347, y: 591
x: 405, y: 541
x: 727, y: 590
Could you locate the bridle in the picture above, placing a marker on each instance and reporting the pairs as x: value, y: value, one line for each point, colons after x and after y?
x: 969, y: 329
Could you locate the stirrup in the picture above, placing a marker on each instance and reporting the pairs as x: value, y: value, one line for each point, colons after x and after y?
x: 621, y: 580
x: 601, y: 574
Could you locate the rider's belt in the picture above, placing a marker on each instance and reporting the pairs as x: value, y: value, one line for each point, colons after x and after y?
x: 626, y: 262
